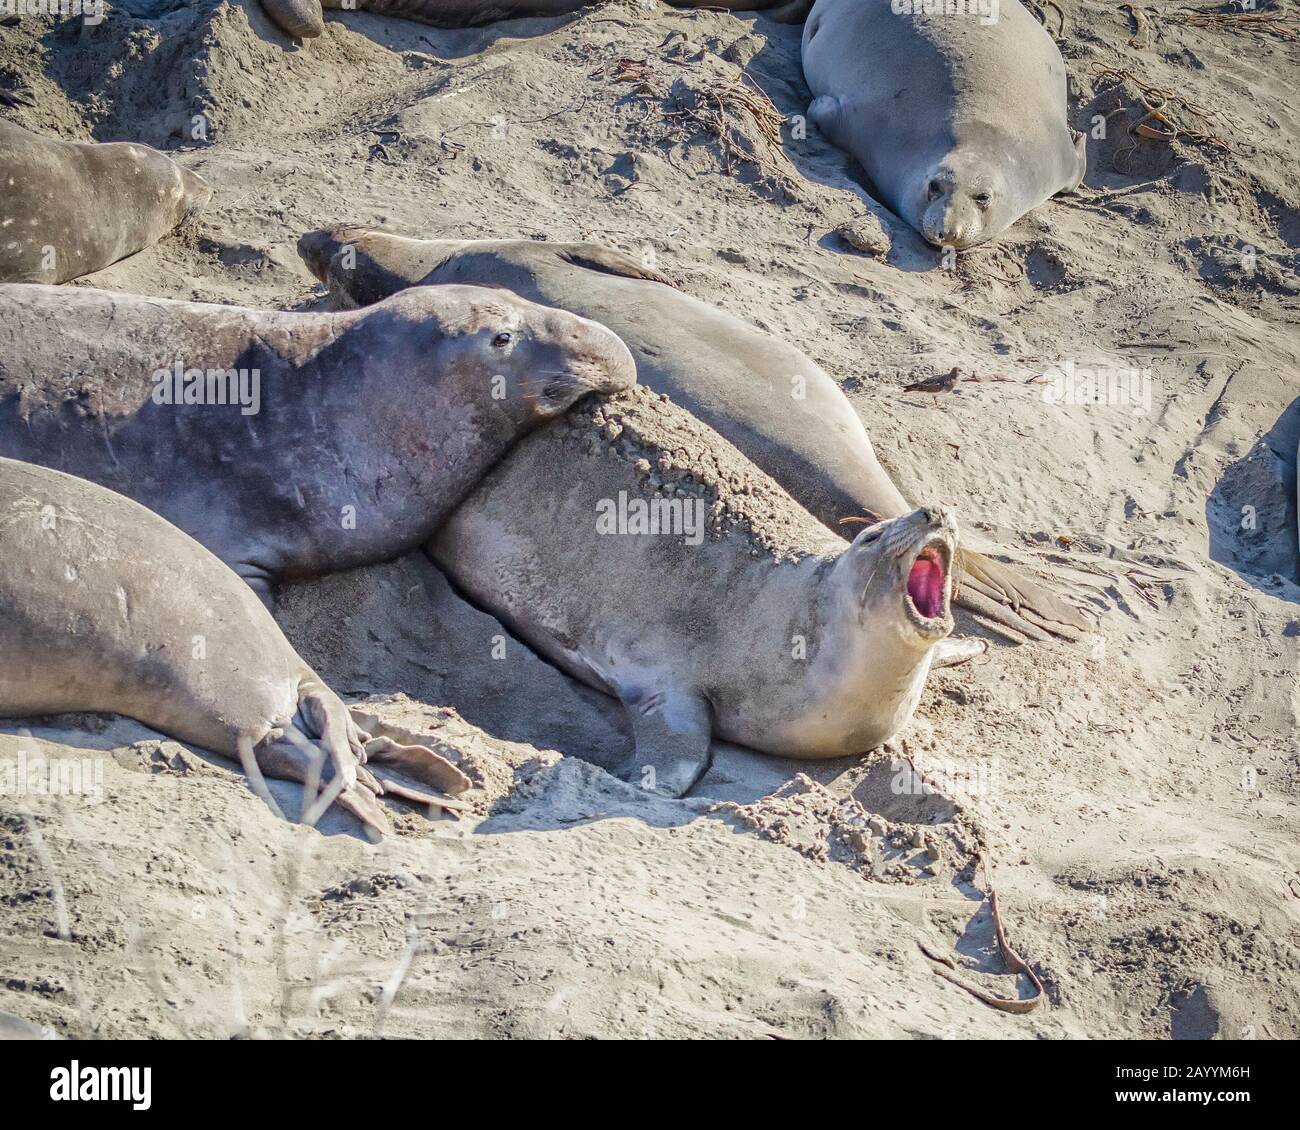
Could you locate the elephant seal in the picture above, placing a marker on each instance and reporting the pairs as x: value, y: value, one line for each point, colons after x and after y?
x: 290, y: 444
x: 710, y: 603
x: 772, y: 401
x: 106, y: 607
x: 68, y: 208
x: 305, y: 19
x: 956, y: 111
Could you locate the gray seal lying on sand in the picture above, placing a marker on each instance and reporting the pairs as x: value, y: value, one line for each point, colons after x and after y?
x: 106, y: 607
x: 958, y: 116
x: 68, y: 208
x: 737, y: 379
x: 654, y: 562
x: 304, y: 19
x: 290, y: 444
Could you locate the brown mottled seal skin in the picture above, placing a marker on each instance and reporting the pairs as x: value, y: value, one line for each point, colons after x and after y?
x: 731, y: 375
x: 68, y: 208
x: 747, y: 621
x: 106, y: 607
x: 304, y: 19
x: 959, y: 121
x: 370, y: 425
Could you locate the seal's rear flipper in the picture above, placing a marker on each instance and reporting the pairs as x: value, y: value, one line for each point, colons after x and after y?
x: 291, y: 756
x: 672, y: 730
x: 418, y: 762
x: 998, y: 592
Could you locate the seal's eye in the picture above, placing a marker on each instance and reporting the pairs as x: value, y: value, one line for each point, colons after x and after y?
x: 502, y: 339
x: 983, y: 199
x: 935, y: 188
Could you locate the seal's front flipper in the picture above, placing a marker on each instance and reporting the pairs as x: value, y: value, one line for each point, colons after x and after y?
x: 1081, y: 156
x: 672, y: 730
x: 594, y: 257
x: 826, y: 112
x: 950, y: 652
x: 302, y: 19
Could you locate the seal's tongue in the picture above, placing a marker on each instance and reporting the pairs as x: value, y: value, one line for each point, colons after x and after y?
x: 925, y: 584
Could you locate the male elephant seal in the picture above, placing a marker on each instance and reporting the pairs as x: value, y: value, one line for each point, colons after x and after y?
x: 68, y: 208
x: 304, y: 19
x: 653, y: 561
x: 956, y: 111
x: 769, y: 399
x: 290, y: 444
x: 106, y: 607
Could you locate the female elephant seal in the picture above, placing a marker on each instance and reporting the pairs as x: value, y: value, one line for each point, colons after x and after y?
x: 304, y: 19
x: 68, y: 208
x: 290, y: 444
x: 105, y: 607
x: 710, y: 602
x: 769, y: 399
x: 956, y: 111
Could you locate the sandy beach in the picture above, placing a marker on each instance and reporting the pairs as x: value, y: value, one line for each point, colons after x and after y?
x: 1135, y: 796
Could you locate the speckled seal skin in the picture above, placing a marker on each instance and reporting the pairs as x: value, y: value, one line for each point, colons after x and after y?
x: 654, y: 562
x: 305, y: 19
x: 958, y: 117
x: 731, y: 375
x: 326, y: 441
x: 68, y: 208
x: 106, y: 607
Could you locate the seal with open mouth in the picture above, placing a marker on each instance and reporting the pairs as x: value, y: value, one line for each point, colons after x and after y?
x: 725, y: 611
x: 68, y: 208
x: 737, y: 379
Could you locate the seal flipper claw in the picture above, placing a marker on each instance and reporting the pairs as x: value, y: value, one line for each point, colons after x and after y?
x: 672, y: 731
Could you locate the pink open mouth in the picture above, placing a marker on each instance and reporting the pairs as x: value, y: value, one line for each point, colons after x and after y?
x: 925, y: 583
